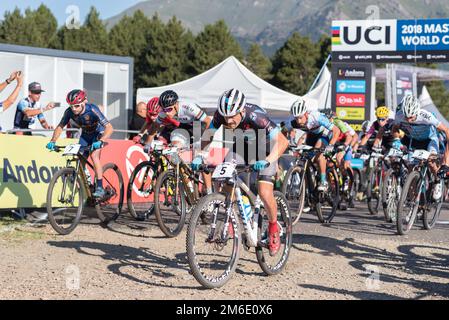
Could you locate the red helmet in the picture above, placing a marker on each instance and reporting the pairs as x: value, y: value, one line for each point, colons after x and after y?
x: 153, y: 106
x: 76, y: 96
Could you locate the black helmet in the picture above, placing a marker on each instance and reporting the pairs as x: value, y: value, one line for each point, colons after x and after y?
x: 168, y: 98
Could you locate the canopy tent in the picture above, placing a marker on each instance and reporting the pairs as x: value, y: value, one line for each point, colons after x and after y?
x: 206, y: 88
x: 320, y: 97
x: 427, y: 103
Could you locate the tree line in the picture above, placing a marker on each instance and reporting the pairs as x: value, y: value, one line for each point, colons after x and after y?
x: 166, y: 53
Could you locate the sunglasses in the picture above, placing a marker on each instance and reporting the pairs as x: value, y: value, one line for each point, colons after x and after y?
x: 153, y: 114
x: 169, y: 109
x: 76, y: 106
x: 36, y: 92
x: 381, y: 119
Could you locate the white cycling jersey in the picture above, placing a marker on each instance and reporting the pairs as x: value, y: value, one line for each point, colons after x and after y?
x: 187, y: 113
x: 422, y: 129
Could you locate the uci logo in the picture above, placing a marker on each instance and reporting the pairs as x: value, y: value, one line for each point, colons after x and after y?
x: 379, y: 35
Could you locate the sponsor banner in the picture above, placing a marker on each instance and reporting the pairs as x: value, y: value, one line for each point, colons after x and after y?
x: 351, y: 86
x: 404, y: 84
x: 351, y: 113
x: 390, y: 41
x: 27, y: 167
x: 350, y: 100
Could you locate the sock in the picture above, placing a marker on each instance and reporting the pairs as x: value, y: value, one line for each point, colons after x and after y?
x: 323, y: 177
x: 209, y: 190
x: 100, y: 183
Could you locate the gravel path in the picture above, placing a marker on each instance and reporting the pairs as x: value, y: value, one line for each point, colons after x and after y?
x: 357, y: 257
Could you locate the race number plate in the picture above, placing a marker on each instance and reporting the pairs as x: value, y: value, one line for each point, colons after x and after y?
x: 170, y: 151
x: 71, y: 150
x: 394, y: 153
x: 224, y: 171
x: 364, y: 156
x: 421, y: 154
x: 157, y: 145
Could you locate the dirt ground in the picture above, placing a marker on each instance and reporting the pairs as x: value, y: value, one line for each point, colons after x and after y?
x: 357, y: 257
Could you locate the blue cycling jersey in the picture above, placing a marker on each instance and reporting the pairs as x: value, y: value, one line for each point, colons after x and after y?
x: 21, y: 121
x: 90, y: 121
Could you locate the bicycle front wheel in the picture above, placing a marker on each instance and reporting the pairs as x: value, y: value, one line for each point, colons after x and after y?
x: 373, y: 192
x: 65, y: 198
x: 274, y: 265
x: 213, y: 242
x: 390, y: 196
x: 327, y: 202
x: 433, y: 208
x: 169, y: 204
x: 140, y: 190
x: 409, y: 203
x: 294, y: 189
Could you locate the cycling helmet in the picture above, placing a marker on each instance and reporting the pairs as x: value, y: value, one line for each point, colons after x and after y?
x: 231, y: 102
x: 153, y: 106
x: 168, y: 98
x: 76, y: 96
x: 382, y: 112
x: 366, y: 125
x: 330, y: 114
x: 410, y: 106
x: 298, y: 108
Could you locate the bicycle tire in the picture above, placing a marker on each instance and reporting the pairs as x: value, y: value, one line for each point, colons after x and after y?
x: 386, y: 189
x: 167, y: 230
x: 295, y: 214
x: 429, y: 220
x: 414, y: 177
x: 198, y: 270
x: 104, y: 213
x: 332, y: 200
x: 51, y: 212
x: 132, y: 208
x: 373, y: 205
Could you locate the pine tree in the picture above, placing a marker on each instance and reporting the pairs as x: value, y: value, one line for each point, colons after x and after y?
x: 258, y: 63
x: 294, y: 64
x: 165, y: 57
x: 214, y: 44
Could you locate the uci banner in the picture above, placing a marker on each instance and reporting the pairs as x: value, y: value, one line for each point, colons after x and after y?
x: 390, y: 41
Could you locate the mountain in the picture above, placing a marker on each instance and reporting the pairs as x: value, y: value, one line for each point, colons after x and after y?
x: 269, y: 23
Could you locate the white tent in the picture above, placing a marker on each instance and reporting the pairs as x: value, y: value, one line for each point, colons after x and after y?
x: 320, y: 96
x: 427, y: 103
x: 206, y: 88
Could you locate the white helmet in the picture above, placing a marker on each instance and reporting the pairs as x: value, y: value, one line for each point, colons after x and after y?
x: 298, y: 108
x: 366, y: 125
x: 231, y: 102
x: 410, y: 106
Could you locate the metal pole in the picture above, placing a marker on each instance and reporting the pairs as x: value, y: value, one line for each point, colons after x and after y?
x: 319, y: 74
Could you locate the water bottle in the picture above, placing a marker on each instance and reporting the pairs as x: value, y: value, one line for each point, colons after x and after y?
x: 248, y: 211
x: 88, y: 176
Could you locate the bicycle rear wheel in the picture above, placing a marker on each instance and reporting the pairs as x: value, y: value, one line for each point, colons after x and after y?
x: 140, y: 189
x: 213, y: 249
x: 169, y: 204
x: 390, y: 196
x: 373, y: 192
x: 65, y: 201
x: 109, y: 208
x: 294, y: 189
x: 433, y: 207
x: 275, y: 265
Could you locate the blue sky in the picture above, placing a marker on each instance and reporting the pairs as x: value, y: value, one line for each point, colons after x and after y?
x: 106, y: 8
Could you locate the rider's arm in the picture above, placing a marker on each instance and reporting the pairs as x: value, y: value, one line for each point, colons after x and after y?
x: 441, y: 127
x: 280, y: 145
x: 44, y: 123
x: 108, y: 130
x: 10, y: 100
x: 380, y: 134
x: 57, y: 133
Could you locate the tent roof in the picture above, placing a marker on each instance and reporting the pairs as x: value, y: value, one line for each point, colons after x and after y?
x: 428, y: 104
x: 206, y: 88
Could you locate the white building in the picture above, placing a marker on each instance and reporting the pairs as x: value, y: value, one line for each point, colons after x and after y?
x: 108, y: 81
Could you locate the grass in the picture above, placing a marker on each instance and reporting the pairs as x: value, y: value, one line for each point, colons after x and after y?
x: 16, y: 230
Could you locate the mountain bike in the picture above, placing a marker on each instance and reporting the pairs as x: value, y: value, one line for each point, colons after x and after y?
x: 416, y: 196
x: 375, y: 179
x: 71, y: 188
x: 214, y: 233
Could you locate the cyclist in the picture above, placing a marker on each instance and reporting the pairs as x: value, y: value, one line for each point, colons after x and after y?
x: 235, y: 113
x: 150, y: 126
x: 421, y: 132
x: 381, y: 129
x: 347, y: 139
x: 320, y: 133
x: 178, y: 114
x: 96, y: 129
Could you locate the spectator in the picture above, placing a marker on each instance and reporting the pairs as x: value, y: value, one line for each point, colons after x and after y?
x: 29, y: 109
x: 4, y: 105
x: 138, y: 120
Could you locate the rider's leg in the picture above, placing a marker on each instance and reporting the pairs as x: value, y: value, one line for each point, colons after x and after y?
x: 265, y: 190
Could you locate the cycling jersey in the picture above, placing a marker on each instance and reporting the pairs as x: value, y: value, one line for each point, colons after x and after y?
x: 254, y: 118
x: 91, y: 121
x: 317, y: 124
x: 1, y: 107
x: 345, y: 129
x: 187, y: 113
x: 387, y: 132
x: 21, y: 121
x: 422, y: 129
